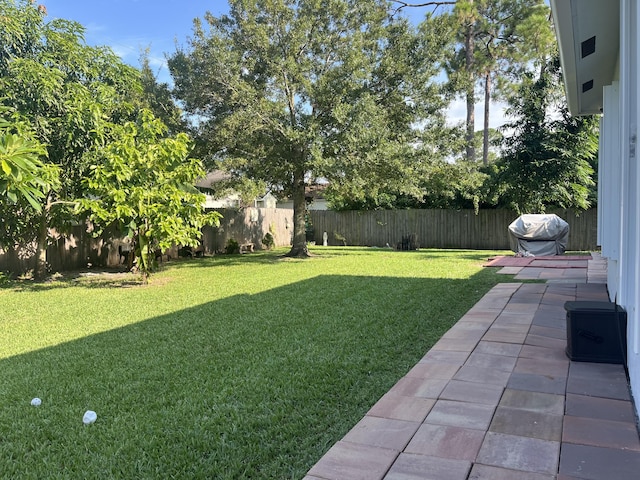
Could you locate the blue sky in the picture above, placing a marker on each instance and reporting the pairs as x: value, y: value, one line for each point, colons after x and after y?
x: 131, y: 26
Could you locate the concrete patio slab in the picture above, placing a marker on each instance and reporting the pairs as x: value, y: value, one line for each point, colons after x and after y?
x: 527, y: 423
x: 519, y: 453
x: 423, y: 467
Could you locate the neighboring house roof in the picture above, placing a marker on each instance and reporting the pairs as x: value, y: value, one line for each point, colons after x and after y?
x: 211, y: 178
x: 588, y: 34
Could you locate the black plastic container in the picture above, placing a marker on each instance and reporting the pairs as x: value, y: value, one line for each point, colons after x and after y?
x: 596, y: 332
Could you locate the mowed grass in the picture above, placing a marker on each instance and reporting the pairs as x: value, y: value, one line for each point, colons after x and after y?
x: 228, y: 367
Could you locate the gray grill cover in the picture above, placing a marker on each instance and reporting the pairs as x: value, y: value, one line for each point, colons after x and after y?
x: 539, y: 235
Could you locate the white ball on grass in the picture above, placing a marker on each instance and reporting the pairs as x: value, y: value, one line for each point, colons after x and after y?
x: 36, y: 402
x: 89, y: 417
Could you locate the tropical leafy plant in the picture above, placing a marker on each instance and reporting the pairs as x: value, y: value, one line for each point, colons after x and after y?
x: 20, y: 166
x: 68, y: 93
x: 143, y: 182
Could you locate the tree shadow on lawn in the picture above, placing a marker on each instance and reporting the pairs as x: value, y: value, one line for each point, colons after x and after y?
x: 96, y: 278
x: 118, y: 278
x: 105, y: 277
x: 267, y: 257
x: 251, y: 386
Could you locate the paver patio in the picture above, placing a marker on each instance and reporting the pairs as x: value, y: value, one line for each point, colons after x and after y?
x: 496, y: 398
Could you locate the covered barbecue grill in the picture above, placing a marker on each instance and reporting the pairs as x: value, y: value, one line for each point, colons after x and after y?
x: 539, y: 235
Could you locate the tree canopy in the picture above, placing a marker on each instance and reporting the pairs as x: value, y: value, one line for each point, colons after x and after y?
x: 68, y: 92
x: 491, y: 43
x: 285, y: 91
x: 280, y: 94
x: 548, y: 158
x: 72, y: 102
x: 495, y: 41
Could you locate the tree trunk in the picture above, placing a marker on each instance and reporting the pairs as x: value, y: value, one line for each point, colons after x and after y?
x: 40, y: 270
x: 299, y: 248
x: 469, y: 41
x: 487, y: 101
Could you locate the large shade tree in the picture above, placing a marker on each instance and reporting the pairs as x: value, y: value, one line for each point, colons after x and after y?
x: 285, y: 91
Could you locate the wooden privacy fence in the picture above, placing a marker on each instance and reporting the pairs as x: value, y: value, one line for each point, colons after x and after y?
x: 71, y: 251
x: 78, y: 249
x: 432, y: 229
x: 249, y: 225
x: 440, y: 228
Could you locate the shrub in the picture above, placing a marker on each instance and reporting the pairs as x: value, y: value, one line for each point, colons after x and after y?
x: 232, y: 247
x: 268, y: 241
x: 5, y: 279
x: 341, y: 238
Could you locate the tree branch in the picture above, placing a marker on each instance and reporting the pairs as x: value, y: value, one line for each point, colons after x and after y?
x: 423, y: 4
x: 402, y: 4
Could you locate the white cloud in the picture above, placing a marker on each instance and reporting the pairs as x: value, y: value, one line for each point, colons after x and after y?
x: 125, y: 51
x: 92, y: 28
x: 457, y: 113
x: 157, y: 62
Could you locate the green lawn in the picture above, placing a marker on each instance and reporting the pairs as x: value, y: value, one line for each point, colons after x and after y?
x: 228, y: 367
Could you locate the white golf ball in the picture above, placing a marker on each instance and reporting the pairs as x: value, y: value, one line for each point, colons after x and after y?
x: 89, y: 417
x: 36, y: 402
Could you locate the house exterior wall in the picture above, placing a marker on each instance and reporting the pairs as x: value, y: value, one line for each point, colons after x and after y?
x: 232, y: 201
x: 268, y: 201
x: 317, y: 204
x: 619, y: 172
x: 609, y: 192
x: 619, y: 187
x: 629, y: 263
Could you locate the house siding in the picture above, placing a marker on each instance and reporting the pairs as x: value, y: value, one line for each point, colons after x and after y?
x: 619, y: 172
x: 628, y: 266
x: 619, y: 199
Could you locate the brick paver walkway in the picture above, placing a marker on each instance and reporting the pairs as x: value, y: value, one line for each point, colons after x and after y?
x: 496, y: 398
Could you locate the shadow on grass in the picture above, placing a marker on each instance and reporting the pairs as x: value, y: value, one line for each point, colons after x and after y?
x: 423, y: 253
x: 97, y: 278
x: 252, y: 386
x: 118, y: 278
x: 260, y: 257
